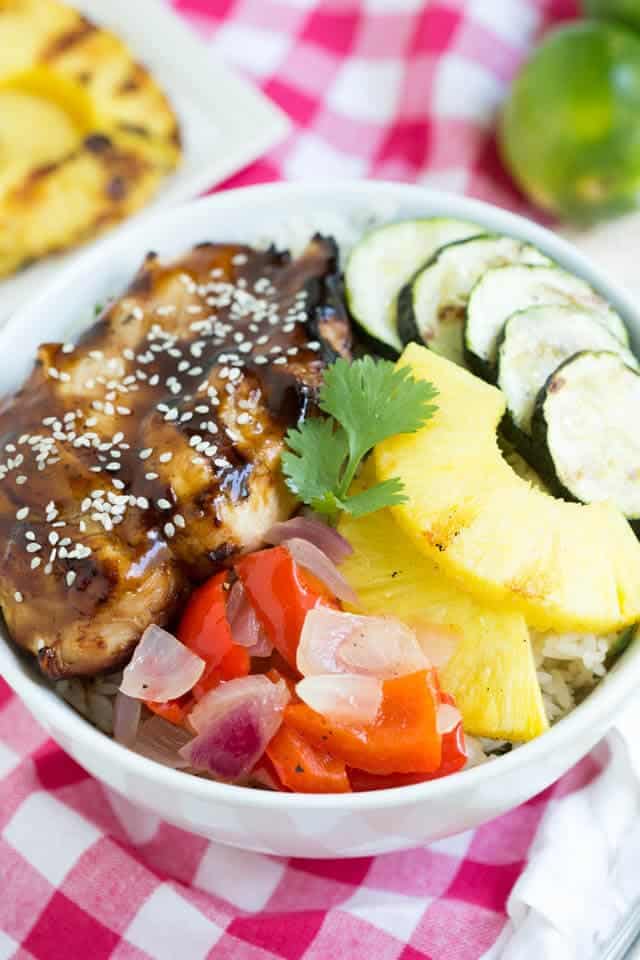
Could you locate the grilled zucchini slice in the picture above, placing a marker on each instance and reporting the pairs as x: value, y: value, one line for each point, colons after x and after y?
x: 536, y: 341
x: 432, y: 305
x: 585, y: 423
x: 382, y: 262
x: 506, y: 290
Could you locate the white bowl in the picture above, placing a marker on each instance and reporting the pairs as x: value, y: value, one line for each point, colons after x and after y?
x: 290, y: 824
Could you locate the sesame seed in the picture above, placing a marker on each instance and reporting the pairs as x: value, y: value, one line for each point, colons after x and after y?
x: 35, y: 562
x: 33, y: 547
x: 114, y: 465
x: 22, y: 479
x: 68, y: 348
x: 260, y: 361
x: 169, y: 529
x: 165, y: 457
x: 48, y: 568
x: 163, y: 504
x: 144, y: 454
x: 143, y: 503
x: 53, y: 538
x: 280, y: 360
x: 18, y: 597
x: 71, y: 576
x: 244, y: 418
x: 151, y: 476
x: 179, y: 521
x: 30, y: 535
x: 22, y: 513
x: 118, y: 484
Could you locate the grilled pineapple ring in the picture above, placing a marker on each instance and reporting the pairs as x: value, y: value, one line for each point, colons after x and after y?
x: 563, y: 566
x: 86, y: 135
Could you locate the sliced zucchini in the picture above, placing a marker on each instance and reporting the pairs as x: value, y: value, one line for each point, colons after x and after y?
x: 585, y: 423
x: 505, y: 290
x: 382, y: 262
x: 536, y: 341
x: 431, y: 306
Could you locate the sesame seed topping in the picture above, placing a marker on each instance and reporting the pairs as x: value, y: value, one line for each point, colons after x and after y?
x: 179, y: 521
x: 22, y: 513
x: 18, y: 597
x: 151, y: 476
x: 146, y: 453
x: 163, y: 504
x: 70, y: 578
x: 165, y: 457
x: 33, y: 547
x: 35, y: 562
x: 169, y: 529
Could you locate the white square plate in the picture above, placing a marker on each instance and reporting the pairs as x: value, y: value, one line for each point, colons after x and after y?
x: 225, y: 122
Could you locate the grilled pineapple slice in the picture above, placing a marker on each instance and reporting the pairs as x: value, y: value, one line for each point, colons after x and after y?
x: 564, y: 566
x: 86, y: 135
x: 491, y: 673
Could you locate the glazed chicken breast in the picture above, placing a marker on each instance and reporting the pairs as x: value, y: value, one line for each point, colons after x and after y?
x: 137, y: 461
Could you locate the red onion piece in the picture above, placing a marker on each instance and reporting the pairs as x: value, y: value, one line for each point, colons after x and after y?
x: 161, y: 668
x: 161, y: 741
x: 235, y: 722
x: 438, y: 643
x: 345, y: 697
x: 447, y: 718
x: 320, y: 534
x: 319, y: 564
x: 246, y: 629
x: 337, y: 642
x: 126, y: 718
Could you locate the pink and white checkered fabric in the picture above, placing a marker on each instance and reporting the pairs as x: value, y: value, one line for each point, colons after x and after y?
x: 401, y: 89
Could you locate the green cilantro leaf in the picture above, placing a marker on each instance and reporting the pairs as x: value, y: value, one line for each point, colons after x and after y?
x: 389, y: 493
x: 368, y: 401
x: 313, y: 463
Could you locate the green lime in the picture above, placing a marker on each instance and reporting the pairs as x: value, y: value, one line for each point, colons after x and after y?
x: 570, y: 128
x: 626, y: 11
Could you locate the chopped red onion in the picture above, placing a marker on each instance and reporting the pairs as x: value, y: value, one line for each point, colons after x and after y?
x: 320, y: 534
x: 126, y: 718
x: 235, y: 722
x: 246, y: 629
x: 161, y: 741
x: 161, y: 668
x: 345, y: 697
x: 438, y: 643
x: 447, y: 718
x: 319, y: 564
x: 337, y: 642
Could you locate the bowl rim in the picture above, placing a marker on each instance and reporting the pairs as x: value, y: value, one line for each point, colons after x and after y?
x: 596, y: 709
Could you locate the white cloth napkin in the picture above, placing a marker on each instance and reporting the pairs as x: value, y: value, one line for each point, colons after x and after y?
x: 583, y: 873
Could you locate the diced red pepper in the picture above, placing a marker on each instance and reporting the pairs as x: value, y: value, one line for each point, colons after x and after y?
x: 282, y: 593
x: 403, y: 739
x: 303, y: 768
x: 204, y: 627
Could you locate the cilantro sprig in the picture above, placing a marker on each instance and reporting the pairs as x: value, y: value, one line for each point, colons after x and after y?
x: 367, y: 401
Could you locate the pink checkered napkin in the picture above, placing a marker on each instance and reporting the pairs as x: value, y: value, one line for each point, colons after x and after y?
x: 403, y: 89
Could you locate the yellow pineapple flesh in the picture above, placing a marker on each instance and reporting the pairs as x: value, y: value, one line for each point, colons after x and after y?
x: 491, y: 673
x: 563, y: 566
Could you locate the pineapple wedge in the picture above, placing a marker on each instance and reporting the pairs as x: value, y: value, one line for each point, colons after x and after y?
x: 564, y: 566
x: 491, y: 673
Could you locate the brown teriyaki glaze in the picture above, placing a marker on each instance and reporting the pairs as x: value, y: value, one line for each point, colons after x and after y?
x: 139, y: 460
